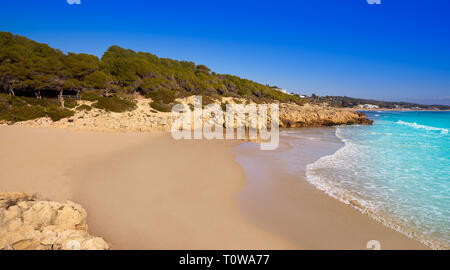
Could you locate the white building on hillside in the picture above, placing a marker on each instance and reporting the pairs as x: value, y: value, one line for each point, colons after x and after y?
x: 283, y: 90
x: 370, y: 106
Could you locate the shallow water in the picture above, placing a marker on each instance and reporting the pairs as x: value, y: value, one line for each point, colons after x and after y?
x: 396, y: 170
x: 277, y: 197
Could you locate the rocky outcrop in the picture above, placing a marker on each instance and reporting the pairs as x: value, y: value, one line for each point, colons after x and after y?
x: 26, y: 223
x: 144, y: 118
x: 141, y: 119
x: 295, y: 116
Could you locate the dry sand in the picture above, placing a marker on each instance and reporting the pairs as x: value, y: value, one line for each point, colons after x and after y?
x: 279, y: 199
x: 141, y: 191
x: 147, y: 191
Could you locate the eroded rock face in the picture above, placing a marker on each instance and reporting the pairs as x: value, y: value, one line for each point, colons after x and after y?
x: 26, y: 223
x: 295, y: 116
x: 142, y: 119
x: 145, y: 119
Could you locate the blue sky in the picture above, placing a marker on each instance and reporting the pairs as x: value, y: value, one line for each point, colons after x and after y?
x: 399, y: 50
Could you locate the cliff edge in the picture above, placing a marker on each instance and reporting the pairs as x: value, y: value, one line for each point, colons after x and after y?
x: 144, y: 118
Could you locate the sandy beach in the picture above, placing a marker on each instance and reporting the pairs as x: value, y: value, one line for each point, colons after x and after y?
x: 141, y: 190
x: 148, y: 191
x: 279, y: 199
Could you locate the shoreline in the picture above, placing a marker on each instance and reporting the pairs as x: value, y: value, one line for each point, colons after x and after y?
x: 350, y: 199
x: 123, y: 177
x: 140, y: 190
x: 393, y: 110
x: 279, y: 198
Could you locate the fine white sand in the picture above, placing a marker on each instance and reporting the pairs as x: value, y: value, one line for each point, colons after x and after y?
x: 141, y: 191
x: 148, y: 191
x: 279, y: 199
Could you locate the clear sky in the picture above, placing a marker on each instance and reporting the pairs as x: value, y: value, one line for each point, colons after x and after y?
x: 398, y: 50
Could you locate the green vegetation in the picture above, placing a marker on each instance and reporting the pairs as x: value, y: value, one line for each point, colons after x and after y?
x: 38, y: 74
x: 21, y: 113
x: 70, y: 103
x: 90, y: 96
x: 84, y: 107
x: 206, y: 100
x: 44, y: 102
x: 15, y: 109
x: 223, y: 106
x: 114, y: 104
x: 164, y: 96
x: 349, y: 102
x: 58, y: 113
x: 160, y: 106
x: 29, y: 68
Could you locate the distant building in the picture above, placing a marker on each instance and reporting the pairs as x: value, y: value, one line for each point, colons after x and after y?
x: 370, y: 106
x: 283, y: 90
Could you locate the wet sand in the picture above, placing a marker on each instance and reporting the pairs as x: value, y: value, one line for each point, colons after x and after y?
x: 141, y: 190
x: 278, y: 198
x: 147, y: 191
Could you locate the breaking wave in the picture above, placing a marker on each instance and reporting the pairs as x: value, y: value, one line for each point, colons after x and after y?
x: 415, y: 125
x: 379, y: 176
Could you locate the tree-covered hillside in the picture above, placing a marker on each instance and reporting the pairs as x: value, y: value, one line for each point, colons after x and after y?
x: 29, y: 68
x: 349, y: 102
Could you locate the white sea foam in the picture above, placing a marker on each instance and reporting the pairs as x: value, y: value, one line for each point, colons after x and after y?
x: 335, y: 185
x: 415, y: 125
x: 295, y: 134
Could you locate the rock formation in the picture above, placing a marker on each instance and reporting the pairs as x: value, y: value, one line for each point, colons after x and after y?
x: 26, y: 223
x: 144, y: 118
x: 294, y: 116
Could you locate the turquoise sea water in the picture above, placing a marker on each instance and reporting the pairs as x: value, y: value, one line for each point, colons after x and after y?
x: 397, y: 171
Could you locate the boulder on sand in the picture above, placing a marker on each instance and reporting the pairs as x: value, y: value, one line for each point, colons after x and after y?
x: 27, y: 223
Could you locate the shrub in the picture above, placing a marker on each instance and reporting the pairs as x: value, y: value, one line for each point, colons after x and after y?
x: 206, y: 100
x: 44, y: 102
x: 84, y: 107
x: 70, y: 103
x: 114, y: 104
x: 162, y: 96
x: 237, y: 101
x: 22, y: 113
x: 16, y: 109
x: 57, y: 113
x: 90, y: 95
x: 161, y: 107
x: 6, y: 99
x: 125, y: 96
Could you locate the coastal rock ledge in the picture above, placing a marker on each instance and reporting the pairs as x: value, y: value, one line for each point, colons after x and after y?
x: 145, y: 119
x: 294, y: 116
x: 29, y: 224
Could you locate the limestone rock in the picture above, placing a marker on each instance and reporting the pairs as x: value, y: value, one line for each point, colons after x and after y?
x: 295, y: 116
x: 26, y: 223
x: 145, y: 119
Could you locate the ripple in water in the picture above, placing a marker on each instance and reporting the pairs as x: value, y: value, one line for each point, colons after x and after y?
x: 397, y: 171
